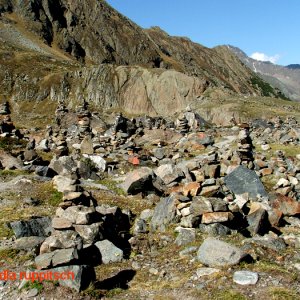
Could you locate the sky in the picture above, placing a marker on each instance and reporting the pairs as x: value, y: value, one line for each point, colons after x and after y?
x: 263, y: 29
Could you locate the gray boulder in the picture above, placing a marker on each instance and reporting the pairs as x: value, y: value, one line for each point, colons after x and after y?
x: 164, y: 213
x: 168, y: 173
x: 242, y: 180
x: 216, y: 253
x: 109, y: 252
x: 34, y: 227
x: 139, y: 180
x: 62, y: 165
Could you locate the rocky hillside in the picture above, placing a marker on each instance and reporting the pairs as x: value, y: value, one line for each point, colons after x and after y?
x: 287, y: 79
x: 72, y: 50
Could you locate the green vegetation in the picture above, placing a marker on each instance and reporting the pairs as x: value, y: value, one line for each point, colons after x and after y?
x: 112, y: 185
x: 8, y: 143
x: 280, y: 293
x: 55, y: 198
x: 34, y: 285
x: 267, y: 89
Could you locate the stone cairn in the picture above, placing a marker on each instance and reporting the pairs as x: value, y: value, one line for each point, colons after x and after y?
x: 60, y: 112
x: 182, y: 124
x: 7, y: 128
x: 80, y: 228
x: 245, y: 146
x: 83, y: 120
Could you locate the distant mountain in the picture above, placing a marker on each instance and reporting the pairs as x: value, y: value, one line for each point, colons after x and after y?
x: 293, y: 66
x: 287, y: 79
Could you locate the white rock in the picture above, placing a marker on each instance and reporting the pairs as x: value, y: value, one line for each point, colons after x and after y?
x: 265, y: 147
x: 245, y: 277
x: 282, y: 182
x: 206, y: 272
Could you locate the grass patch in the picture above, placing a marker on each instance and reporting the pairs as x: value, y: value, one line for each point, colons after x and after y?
x: 55, y: 198
x: 34, y: 285
x: 112, y: 185
x: 289, y: 150
x: 8, y: 143
x: 9, y: 255
x: 279, y: 293
x: 227, y: 295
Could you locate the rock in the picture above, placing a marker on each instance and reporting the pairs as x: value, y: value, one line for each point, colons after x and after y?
x: 268, y: 241
x: 64, y: 256
x: 200, y: 205
x: 218, y: 204
x: 146, y: 214
x: 216, y: 253
x: 61, y: 223
x: 216, y: 217
x: 100, y: 162
x: 139, y: 226
x: 34, y: 227
x: 168, y: 173
x: 44, y: 171
x: 32, y: 293
x: 9, y: 162
x: 205, y: 272
x: 80, y: 276
x: 245, y: 277
x: 215, y: 229
x: 164, y: 213
x: 188, y: 251
x: 139, y: 180
x: 185, y: 236
x: 77, y: 277
x: 257, y: 219
x: 288, y: 206
x: 62, y: 165
x: 282, y: 182
x: 30, y: 155
x: 242, y: 180
x: 64, y: 184
x: 61, y: 239
x: 44, y: 261
x: 265, y: 147
x: 28, y: 243
x: 191, y: 189
x: 109, y: 252
x: 210, y: 191
x: 79, y: 214
x: 86, y: 146
x: 89, y: 233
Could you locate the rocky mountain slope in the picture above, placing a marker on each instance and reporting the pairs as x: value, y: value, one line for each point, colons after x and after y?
x: 69, y: 50
x: 287, y: 79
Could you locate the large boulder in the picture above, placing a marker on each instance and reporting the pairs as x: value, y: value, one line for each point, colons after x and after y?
x: 109, y: 252
x: 168, y: 173
x: 164, y: 213
x: 242, y: 180
x: 216, y: 253
x: 62, y: 165
x: 139, y: 180
x: 33, y: 227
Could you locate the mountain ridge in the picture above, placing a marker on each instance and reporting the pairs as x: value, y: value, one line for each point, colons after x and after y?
x: 285, y: 78
x: 71, y: 50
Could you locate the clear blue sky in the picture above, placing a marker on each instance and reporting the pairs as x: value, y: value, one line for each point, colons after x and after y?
x: 269, y: 27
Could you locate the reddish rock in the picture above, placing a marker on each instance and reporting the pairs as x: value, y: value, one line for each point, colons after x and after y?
x: 191, y: 189
x: 134, y: 160
x: 286, y: 205
x: 216, y: 217
x: 266, y: 171
x: 209, y: 191
x: 197, y: 147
